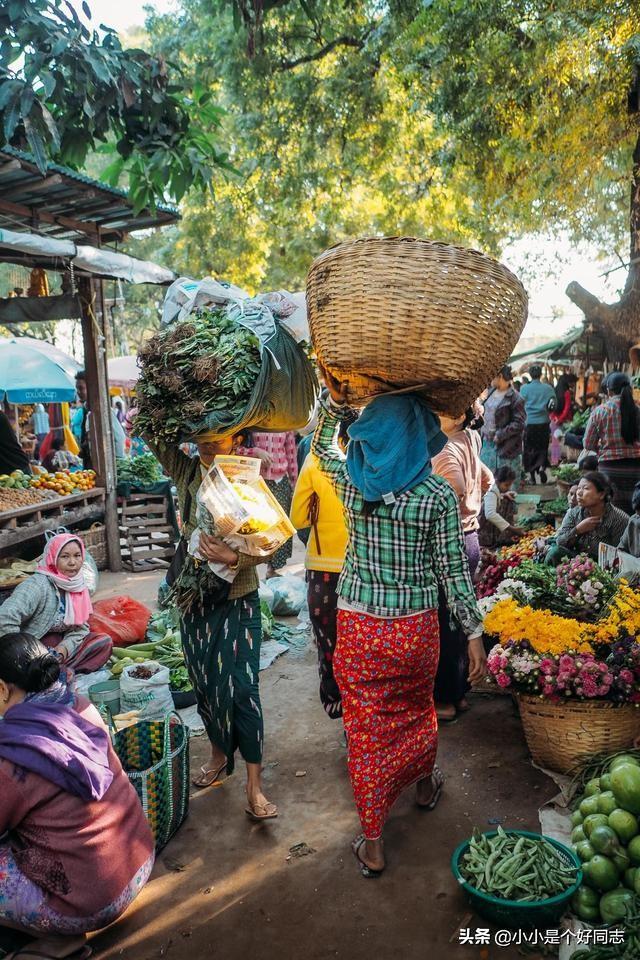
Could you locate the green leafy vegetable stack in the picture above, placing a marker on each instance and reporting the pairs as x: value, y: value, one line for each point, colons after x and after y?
x: 195, y: 368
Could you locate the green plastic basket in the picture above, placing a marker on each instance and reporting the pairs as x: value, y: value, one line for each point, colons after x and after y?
x: 514, y: 914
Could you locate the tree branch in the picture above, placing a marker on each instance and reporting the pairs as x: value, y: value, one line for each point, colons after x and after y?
x: 344, y: 41
x: 587, y: 302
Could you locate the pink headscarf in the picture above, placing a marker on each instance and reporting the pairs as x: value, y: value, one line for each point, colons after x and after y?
x: 78, y: 606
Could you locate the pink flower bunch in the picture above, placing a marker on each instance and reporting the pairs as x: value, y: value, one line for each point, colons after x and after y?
x: 514, y: 664
x: 581, y: 578
x: 579, y: 675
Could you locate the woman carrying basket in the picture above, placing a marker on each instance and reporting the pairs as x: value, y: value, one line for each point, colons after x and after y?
x: 405, y: 537
x: 221, y: 631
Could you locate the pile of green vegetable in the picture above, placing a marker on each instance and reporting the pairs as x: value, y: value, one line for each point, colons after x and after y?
x: 141, y: 471
x: 566, y: 473
x: 513, y: 867
x: 204, y: 365
x: 163, y: 644
x: 606, y: 838
x: 580, y: 419
x: 556, y: 508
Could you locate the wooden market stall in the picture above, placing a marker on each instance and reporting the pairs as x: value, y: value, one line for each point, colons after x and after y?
x: 64, y: 221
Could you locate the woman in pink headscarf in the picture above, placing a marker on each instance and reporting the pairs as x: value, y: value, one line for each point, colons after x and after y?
x: 54, y: 606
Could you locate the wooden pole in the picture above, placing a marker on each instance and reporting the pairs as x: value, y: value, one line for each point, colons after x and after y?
x: 102, y: 446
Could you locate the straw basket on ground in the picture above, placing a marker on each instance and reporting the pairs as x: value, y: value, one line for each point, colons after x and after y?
x: 560, y: 735
x: 395, y: 313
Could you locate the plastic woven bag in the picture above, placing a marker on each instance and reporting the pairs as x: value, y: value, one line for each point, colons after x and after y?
x: 155, y: 757
x: 151, y: 697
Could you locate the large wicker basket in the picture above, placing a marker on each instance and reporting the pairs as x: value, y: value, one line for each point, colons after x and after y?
x: 95, y: 542
x: 396, y: 313
x: 560, y: 735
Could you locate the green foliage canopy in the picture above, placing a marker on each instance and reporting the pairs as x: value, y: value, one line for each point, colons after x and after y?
x: 65, y: 90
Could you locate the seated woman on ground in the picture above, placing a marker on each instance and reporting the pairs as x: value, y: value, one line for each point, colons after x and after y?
x: 498, y: 511
x: 594, y: 521
x: 76, y: 848
x: 54, y: 606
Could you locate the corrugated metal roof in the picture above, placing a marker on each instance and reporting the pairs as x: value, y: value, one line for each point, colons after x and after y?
x: 68, y: 205
x: 83, y: 178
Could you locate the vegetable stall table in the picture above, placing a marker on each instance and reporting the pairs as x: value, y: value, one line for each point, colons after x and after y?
x: 22, y: 524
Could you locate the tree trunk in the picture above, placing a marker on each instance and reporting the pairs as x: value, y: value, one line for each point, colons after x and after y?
x: 619, y: 322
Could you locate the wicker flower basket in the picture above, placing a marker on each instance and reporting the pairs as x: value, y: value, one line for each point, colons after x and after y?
x: 396, y: 313
x: 560, y: 735
x: 95, y: 542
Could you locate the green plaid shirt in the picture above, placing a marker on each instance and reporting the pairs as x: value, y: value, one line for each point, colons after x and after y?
x: 397, y: 556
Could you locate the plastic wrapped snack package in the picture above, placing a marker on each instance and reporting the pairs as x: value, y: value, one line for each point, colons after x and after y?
x: 244, y: 511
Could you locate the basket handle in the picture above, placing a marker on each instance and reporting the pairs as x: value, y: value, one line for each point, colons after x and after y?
x: 167, y: 729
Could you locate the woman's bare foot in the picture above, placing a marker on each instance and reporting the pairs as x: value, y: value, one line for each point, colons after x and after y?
x: 463, y: 705
x: 272, y: 572
x: 446, y: 711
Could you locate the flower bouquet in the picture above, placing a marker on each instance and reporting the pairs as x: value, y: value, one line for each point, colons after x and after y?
x: 496, y: 566
x: 575, y: 630
x: 575, y: 672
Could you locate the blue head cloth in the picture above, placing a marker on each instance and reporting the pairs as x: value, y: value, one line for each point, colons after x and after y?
x: 391, y: 446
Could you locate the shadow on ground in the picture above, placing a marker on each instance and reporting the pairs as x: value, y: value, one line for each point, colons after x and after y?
x: 224, y: 886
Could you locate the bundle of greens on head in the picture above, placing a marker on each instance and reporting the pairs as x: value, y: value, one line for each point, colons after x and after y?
x: 204, y: 365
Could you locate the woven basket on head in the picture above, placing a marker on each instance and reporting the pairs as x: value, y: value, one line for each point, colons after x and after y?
x: 560, y: 735
x: 398, y: 313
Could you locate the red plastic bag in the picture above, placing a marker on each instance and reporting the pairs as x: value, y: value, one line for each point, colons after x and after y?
x: 123, y: 619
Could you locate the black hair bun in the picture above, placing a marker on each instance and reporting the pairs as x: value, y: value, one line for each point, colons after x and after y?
x: 42, y: 672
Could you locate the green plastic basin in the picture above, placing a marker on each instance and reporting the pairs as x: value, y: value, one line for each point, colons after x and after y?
x: 514, y: 914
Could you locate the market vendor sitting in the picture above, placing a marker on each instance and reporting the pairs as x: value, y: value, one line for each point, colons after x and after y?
x: 76, y: 848
x: 594, y: 521
x: 54, y: 606
x: 60, y: 459
x: 498, y: 511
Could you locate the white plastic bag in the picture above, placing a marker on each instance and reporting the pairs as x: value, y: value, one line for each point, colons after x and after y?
x: 151, y: 697
x: 185, y: 295
x: 289, y: 595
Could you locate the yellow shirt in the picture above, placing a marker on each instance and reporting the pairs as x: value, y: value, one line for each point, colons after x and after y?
x: 332, y: 531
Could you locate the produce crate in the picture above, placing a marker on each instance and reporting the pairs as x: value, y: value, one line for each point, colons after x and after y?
x: 147, y: 536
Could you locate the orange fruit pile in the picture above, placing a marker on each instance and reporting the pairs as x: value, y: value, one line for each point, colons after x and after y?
x: 64, y: 482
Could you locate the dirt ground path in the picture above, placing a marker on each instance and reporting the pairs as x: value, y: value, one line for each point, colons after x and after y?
x: 225, y: 887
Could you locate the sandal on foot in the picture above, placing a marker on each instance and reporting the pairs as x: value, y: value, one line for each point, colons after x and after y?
x: 262, y: 811
x: 208, y: 776
x: 438, y: 779
x: 369, y: 873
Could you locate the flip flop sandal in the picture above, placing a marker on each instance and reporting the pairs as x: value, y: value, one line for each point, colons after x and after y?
x: 208, y: 777
x: 270, y: 811
x: 438, y: 777
x: 367, y: 872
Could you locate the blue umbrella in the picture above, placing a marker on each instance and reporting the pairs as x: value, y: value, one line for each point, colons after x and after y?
x: 33, y: 371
